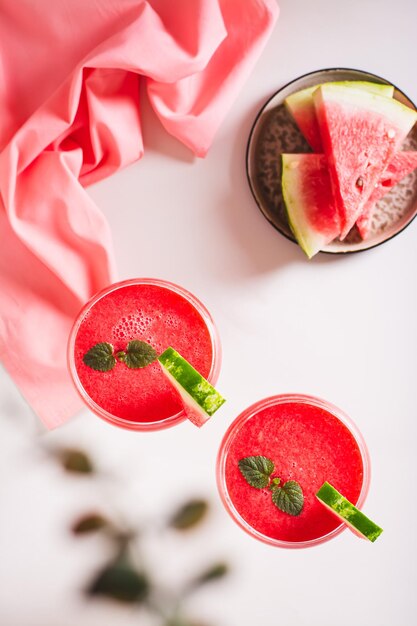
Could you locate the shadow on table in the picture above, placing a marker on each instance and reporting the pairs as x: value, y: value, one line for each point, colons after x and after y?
x: 156, y: 138
x: 260, y: 247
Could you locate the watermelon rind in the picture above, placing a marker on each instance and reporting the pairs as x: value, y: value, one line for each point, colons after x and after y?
x: 301, y: 106
x: 348, y: 513
x: 358, y: 113
x: 197, y: 394
x: 399, y: 113
x: 301, y: 199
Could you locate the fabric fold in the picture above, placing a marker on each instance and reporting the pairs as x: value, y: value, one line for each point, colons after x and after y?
x: 70, y: 116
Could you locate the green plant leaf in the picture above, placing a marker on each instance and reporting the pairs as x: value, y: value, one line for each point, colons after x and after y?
x: 138, y: 354
x: 119, y: 580
x: 215, y: 572
x: 289, y: 498
x: 100, y: 357
x: 89, y: 523
x: 189, y: 514
x: 256, y: 470
x: 75, y: 461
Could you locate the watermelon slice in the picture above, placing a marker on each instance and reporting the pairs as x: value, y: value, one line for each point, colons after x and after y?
x: 309, y: 202
x: 360, y: 132
x: 199, y: 398
x: 348, y: 513
x: 301, y: 107
x: 401, y: 164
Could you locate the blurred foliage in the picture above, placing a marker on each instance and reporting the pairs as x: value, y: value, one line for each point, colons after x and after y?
x: 215, y: 572
x: 120, y: 580
x: 73, y: 460
x: 183, y: 621
x: 89, y: 523
x: 189, y: 515
x: 124, y: 578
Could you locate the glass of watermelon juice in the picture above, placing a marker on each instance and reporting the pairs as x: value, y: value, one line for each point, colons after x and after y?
x: 159, y: 313
x: 309, y: 441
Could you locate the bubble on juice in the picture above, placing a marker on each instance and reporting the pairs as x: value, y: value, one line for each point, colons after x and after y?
x: 171, y: 321
x: 133, y: 326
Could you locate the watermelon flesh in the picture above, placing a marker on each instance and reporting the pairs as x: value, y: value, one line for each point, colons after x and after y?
x: 301, y: 107
x: 309, y: 202
x: 401, y: 164
x: 307, y: 192
x: 360, y: 132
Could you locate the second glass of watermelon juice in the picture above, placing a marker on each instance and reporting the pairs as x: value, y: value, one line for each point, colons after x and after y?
x: 160, y: 313
x: 309, y: 441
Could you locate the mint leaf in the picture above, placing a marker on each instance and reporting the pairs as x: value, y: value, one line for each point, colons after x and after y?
x: 256, y: 470
x: 100, y: 357
x: 138, y: 354
x: 289, y: 498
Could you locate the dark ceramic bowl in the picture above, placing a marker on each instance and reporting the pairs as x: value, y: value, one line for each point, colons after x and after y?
x: 275, y: 132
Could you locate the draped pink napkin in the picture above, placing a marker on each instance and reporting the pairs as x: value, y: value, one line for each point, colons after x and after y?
x: 69, y: 116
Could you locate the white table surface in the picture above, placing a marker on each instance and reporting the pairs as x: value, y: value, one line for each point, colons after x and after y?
x: 340, y: 328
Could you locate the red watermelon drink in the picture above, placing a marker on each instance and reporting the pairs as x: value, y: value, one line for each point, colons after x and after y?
x: 158, y: 313
x: 306, y: 440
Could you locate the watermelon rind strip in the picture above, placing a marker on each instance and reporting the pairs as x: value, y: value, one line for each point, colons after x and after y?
x: 301, y: 106
x: 310, y: 239
x: 398, y: 112
x: 305, y: 94
x: 308, y: 243
x: 347, y: 512
x: 192, y: 383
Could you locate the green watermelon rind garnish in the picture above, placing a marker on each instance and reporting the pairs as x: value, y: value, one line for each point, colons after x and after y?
x: 301, y: 106
x: 348, y: 513
x: 195, y: 391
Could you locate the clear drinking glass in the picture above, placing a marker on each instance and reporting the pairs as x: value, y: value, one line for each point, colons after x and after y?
x: 161, y: 284
x: 247, y: 415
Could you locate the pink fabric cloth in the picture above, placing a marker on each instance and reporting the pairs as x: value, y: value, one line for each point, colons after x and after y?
x: 69, y: 116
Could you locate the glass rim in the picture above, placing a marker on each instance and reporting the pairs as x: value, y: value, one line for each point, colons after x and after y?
x: 245, y: 416
x: 212, y: 376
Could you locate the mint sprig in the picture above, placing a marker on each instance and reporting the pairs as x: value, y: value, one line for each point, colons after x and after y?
x: 100, y: 357
x: 257, y: 471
